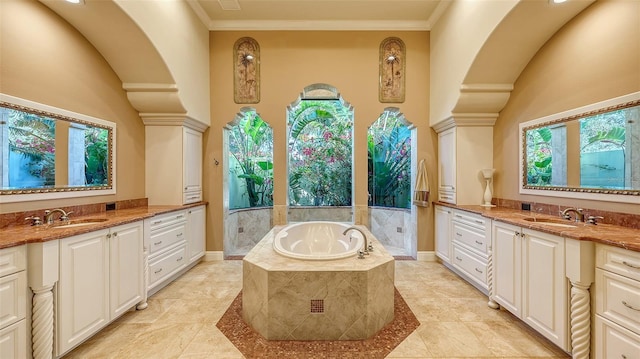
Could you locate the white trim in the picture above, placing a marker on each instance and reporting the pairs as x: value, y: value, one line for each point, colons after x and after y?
x: 210, y: 256
x: 427, y: 256
x: 318, y: 25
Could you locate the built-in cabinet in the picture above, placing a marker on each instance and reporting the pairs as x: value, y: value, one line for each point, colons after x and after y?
x: 176, y: 241
x: 617, y: 303
x: 529, y: 279
x: 443, y: 232
x: 100, y: 278
x: 174, y: 154
x: 464, y: 150
x: 13, y: 302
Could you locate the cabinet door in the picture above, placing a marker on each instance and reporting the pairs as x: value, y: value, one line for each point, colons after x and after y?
x: 13, y: 341
x: 443, y: 233
x: 126, y: 267
x: 192, y: 159
x: 447, y: 160
x: 196, y: 232
x: 507, y: 275
x: 545, y: 286
x: 83, y: 288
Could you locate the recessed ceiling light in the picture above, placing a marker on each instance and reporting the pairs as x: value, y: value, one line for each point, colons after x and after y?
x: 81, y: 2
x: 557, y: 1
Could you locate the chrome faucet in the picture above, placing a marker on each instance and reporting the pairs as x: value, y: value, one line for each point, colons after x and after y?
x: 48, y: 215
x: 367, y: 247
x: 577, y: 211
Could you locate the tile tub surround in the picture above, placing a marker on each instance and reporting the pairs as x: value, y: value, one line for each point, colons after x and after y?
x: 358, y: 294
x: 244, y: 228
x: 613, y: 235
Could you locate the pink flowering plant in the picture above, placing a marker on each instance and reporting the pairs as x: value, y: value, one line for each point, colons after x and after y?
x: 320, y: 154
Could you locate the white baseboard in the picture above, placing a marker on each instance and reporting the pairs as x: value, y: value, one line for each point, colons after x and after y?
x: 213, y: 256
x: 427, y: 256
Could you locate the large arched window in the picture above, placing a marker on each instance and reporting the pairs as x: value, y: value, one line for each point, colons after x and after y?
x: 320, y: 128
x: 389, y: 160
x: 250, y: 141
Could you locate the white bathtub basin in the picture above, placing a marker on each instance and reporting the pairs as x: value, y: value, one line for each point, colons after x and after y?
x: 318, y: 241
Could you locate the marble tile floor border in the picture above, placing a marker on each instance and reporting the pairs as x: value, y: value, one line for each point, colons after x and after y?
x: 253, y: 345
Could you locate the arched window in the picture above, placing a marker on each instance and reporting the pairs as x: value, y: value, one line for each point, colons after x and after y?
x: 320, y: 128
x: 250, y: 142
x: 389, y: 160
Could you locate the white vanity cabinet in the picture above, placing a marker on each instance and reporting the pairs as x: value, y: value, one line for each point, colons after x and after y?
x: 167, y: 243
x: 101, y: 277
x: 617, y: 303
x: 471, y: 242
x: 529, y: 279
x: 196, y: 219
x: 13, y: 302
x: 173, y: 169
x: 443, y: 232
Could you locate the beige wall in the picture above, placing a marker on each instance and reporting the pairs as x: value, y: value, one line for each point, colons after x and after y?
x: 596, y: 56
x: 291, y: 61
x: 44, y: 59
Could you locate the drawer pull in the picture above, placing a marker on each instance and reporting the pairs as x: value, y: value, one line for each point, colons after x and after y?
x: 459, y: 216
x: 179, y: 259
x: 458, y: 234
x: 158, y: 271
x: 157, y: 222
x: 478, y: 242
x: 479, y: 221
x: 630, y: 306
x: 157, y: 243
x: 478, y: 270
x: 630, y: 265
x: 180, y: 216
x: 179, y: 234
x: 458, y: 258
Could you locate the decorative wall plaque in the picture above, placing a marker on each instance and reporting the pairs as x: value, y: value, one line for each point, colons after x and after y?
x: 246, y: 71
x: 392, y: 66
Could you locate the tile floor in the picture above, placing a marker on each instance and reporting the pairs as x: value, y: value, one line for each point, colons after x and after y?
x: 180, y: 321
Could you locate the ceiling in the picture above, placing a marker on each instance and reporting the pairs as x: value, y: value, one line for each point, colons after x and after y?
x: 371, y: 15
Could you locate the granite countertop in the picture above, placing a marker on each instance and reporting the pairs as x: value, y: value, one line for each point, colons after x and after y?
x: 23, y: 234
x: 623, y: 237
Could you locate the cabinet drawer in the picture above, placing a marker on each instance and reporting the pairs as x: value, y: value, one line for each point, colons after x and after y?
x: 470, y: 263
x: 618, y: 299
x: 12, y: 259
x: 613, y: 341
x: 167, y: 265
x: 192, y: 197
x: 13, y: 341
x: 619, y: 261
x: 446, y: 196
x: 166, y: 237
x: 471, y: 219
x: 13, y: 297
x: 472, y: 237
x: 167, y: 219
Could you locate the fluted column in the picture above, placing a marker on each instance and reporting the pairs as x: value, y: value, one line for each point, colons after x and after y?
x: 42, y: 323
x: 492, y: 303
x: 145, y: 279
x: 580, y: 321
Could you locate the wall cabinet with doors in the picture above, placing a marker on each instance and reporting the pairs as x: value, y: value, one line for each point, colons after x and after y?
x: 463, y: 151
x: 173, y: 170
x: 443, y: 232
x: 13, y: 302
x: 529, y: 279
x: 101, y: 277
x: 617, y: 323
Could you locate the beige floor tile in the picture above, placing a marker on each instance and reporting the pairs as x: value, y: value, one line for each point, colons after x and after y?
x: 412, y: 347
x: 451, y: 339
x: 210, y: 341
x: 160, y: 341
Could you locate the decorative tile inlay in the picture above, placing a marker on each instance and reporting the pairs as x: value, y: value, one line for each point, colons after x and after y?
x: 253, y: 345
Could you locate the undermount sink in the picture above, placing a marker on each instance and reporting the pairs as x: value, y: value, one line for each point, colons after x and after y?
x: 79, y: 223
x: 549, y: 222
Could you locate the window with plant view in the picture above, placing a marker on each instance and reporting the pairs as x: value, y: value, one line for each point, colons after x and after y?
x: 389, y: 161
x: 250, y: 141
x: 539, y: 151
x: 30, y: 140
x: 320, y: 153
